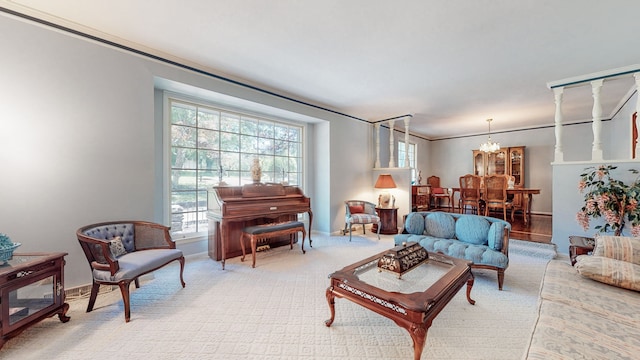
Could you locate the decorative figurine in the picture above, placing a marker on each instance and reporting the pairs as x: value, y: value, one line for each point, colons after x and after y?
x: 256, y: 171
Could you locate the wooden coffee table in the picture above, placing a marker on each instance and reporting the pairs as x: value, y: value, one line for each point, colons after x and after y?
x: 413, y: 301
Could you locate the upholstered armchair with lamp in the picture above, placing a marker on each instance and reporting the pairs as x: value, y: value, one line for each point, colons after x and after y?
x: 360, y: 212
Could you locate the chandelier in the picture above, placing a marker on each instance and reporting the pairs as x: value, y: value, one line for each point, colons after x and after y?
x: 489, y: 146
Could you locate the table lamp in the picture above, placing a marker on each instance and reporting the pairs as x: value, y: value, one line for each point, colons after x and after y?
x: 385, y: 200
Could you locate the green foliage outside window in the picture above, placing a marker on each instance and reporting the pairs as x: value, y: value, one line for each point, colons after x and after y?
x: 210, y: 145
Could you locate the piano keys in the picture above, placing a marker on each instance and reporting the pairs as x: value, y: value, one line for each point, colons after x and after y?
x: 231, y: 208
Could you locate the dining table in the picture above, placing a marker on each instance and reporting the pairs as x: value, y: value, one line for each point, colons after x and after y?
x: 527, y: 199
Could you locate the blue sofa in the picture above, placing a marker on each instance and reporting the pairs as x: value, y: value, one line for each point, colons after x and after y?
x: 480, y: 239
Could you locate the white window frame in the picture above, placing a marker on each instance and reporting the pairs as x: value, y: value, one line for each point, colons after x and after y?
x: 295, y: 178
x: 413, y: 153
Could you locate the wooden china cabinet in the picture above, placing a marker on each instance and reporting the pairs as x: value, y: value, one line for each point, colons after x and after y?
x: 506, y: 161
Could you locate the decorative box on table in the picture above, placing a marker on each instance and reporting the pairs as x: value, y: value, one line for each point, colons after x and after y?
x: 403, y: 258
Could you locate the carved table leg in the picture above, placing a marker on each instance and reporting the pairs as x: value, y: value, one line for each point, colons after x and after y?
x: 418, y: 334
x: 469, y: 286
x: 304, y: 235
x: 62, y: 315
x: 310, y: 222
x: 331, y: 299
x: 224, y: 227
x: 242, y: 246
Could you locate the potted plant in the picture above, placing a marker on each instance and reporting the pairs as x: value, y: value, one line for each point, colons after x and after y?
x: 611, y: 199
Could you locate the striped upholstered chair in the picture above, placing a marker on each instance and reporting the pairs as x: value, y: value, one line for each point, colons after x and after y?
x: 360, y: 212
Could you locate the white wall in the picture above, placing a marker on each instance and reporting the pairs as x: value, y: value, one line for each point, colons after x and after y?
x: 81, y: 140
x: 451, y: 158
x: 76, y: 140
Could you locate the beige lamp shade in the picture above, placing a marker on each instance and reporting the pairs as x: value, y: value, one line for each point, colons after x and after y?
x: 385, y: 200
x: 385, y: 181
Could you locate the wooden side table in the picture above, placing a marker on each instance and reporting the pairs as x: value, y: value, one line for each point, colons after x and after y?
x: 388, y: 221
x: 31, y: 289
x: 579, y: 245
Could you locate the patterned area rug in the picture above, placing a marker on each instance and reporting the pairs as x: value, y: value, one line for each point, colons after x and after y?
x: 534, y: 249
x: 278, y: 309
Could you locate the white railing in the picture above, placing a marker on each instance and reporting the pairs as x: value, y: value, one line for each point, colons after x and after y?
x: 596, y: 81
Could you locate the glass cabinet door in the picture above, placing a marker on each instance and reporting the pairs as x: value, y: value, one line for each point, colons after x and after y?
x: 31, y: 298
x: 478, y: 163
x: 516, y: 164
x: 496, y: 163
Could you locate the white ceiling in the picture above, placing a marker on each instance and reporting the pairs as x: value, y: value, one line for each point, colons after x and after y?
x: 452, y: 64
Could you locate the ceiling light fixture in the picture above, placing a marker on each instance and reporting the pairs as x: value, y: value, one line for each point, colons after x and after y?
x: 489, y: 146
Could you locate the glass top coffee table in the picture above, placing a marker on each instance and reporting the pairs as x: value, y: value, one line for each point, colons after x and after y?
x: 411, y: 300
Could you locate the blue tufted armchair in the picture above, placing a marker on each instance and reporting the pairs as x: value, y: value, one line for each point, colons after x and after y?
x: 360, y: 212
x: 119, y: 252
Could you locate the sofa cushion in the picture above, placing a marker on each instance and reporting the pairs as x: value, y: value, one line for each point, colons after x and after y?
x: 565, y: 332
x: 609, y: 271
x: 479, y: 254
x: 414, y: 223
x: 563, y: 284
x: 495, y: 236
x: 622, y: 248
x: 440, y: 225
x: 364, y: 218
x: 472, y: 230
x: 134, y: 264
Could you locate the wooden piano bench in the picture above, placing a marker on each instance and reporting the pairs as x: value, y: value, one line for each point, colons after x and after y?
x: 266, y: 231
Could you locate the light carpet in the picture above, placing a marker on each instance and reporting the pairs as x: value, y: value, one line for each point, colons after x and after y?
x: 278, y: 309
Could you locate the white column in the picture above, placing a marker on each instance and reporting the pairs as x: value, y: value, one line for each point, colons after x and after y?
x: 406, y: 141
x: 596, y: 150
x: 377, y: 127
x: 392, y: 159
x: 559, y: 155
x: 637, y: 144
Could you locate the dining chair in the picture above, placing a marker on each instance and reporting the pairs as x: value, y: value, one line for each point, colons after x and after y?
x: 495, y: 195
x: 470, y: 193
x: 437, y: 193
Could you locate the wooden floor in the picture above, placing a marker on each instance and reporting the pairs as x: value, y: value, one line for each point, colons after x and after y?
x: 538, y: 229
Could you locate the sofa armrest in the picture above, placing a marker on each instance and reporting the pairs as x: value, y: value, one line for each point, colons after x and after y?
x: 99, y: 254
x: 505, y: 241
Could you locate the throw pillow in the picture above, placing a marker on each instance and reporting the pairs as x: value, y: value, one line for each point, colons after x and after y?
x: 472, y: 229
x: 440, y: 225
x: 618, y: 273
x: 356, y: 209
x: 117, y: 247
x: 496, y: 235
x: 414, y: 223
x: 622, y: 248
